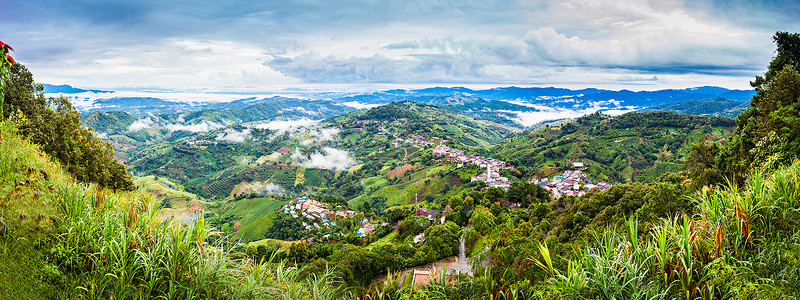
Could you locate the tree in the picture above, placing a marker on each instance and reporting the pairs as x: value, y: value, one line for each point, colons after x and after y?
x: 442, y: 239
x: 701, y: 163
x: 482, y: 219
x: 299, y: 251
x: 495, y: 193
x: 357, y: 259
x: 767, y: 134
x: 284, y: 228
x: 55, y: 126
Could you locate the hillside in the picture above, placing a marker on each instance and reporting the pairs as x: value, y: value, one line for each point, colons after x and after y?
x: 413, y: 118
x: 719, y: 107
x: 64, y: 239
x: 632, y: 146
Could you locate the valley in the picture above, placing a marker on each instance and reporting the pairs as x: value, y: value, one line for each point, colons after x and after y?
x: 404, y: 178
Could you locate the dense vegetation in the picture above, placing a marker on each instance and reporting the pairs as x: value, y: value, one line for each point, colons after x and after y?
x: 55, y: 126
x: 634, y: 146
x: 699, y: 210
x: 766, y: 135
x: 720, y: 106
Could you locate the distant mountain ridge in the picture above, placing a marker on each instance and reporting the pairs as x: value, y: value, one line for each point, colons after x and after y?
x: 511, y: 106
x: 67, y: 89
x: 720, y: 106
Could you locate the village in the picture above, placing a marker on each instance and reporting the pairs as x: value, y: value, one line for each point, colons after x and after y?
x: 315, y: 214
x: 491, y: 176
x: 570, y: 183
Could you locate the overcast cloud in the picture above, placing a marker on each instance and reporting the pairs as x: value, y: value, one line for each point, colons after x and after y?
x: 233, y: 46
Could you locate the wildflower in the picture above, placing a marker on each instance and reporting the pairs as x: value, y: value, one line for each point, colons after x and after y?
x: 6, y: 47
x: 11, y: 59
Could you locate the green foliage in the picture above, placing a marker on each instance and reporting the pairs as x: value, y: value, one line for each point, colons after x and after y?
x: 701, y: 163
x: 441, y: 240
x: 767, y: 133
x: 482, y: 220
x: 284, y: 227
x: 412, y: 225
x: 634, y: 146
x: 5, y: 65
x: 55, y: 126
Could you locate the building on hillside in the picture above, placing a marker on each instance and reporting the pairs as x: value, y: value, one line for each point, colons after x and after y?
x: 419, y: 238
x: 426, y: 213
x: 366, y: 229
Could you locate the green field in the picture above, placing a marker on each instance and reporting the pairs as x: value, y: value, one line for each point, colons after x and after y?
x: 254, y: 215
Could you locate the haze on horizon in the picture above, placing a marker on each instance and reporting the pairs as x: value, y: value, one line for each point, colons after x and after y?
x: 247, y: 46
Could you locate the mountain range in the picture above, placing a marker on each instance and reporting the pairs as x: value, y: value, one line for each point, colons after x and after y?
x: 512, y: 106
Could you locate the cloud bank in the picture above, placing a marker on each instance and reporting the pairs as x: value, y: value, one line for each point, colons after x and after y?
x: 213, y: 46
x: 234, y: 136
x: 545, y: 113
x: 155, y: 122
x: 267, y: 188
x: 141, y: 124
x: 200, y: 127
x: 329, y: 158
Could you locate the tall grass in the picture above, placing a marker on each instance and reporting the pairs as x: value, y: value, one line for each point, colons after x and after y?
x: 740, y: 243
x: 102, y: 244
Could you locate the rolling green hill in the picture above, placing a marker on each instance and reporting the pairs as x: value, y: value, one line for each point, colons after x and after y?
x: 633, y: 146
x: 414, y: 118
x: 720, y: 107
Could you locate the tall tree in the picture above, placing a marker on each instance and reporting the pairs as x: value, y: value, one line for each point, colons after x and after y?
x: 767, y: 133
x: 55, y: 125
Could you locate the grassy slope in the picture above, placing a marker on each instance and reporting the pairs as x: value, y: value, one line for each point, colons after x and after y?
x: 62, y: 239
x: 255, y: 217
x: 22, y: 181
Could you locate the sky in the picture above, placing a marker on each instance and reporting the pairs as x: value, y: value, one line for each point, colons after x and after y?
x: 246, y: 46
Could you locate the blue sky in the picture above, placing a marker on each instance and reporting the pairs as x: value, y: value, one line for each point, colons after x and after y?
x: 249, y: 46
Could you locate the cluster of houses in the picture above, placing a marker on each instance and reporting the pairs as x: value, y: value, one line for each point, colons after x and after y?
x: 493, y: 166
x: 493, y: 179
x: 416, y: 140
x: 368, y: 121
x: 571, y: 183
x: 366, y: 228
x: 314, y: 213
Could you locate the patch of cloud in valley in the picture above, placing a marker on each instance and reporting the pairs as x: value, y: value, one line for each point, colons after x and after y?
x: 199, y: 127
x: 234, y: 136
x: 267, y: 188
x: 329, y: 158
x: 154, y: 123
x: 140, y: 124
x: 546, y: 113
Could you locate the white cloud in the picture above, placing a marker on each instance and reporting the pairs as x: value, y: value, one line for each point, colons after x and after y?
x: 325, y: 134
x: 200, y: 127
x: 545, y: 113
x: 283, y: 126
x: 268, y: 188
x: 154, y: 122
x: 233, y: 135
x: 264, y: 46
x: 298, y: 156
x: 359, y: 105
x: 332, y: 159
x: 141, y: 124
